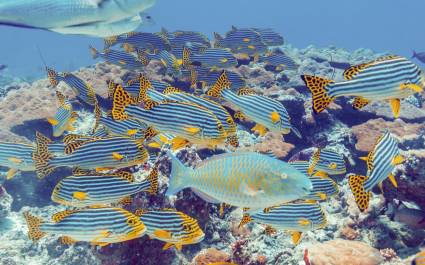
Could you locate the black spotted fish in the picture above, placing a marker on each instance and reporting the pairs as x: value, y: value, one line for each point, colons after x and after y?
x: 17, y: 157
x: 242, y: 179
x: 381, y: 161
x: 268, y: 113
x: 88, y: 17
x: 84, y: 189
x: 100, y: 226
x: 390, y: 78
x: 294, y: 217
x: 91, y: 153
x: 64, y: 117
x: 171, y: 226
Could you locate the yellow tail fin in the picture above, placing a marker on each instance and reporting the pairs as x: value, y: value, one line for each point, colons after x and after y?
x: 360, y: 194
x: 221, y: 83
x: 34, y: 223
x: 317, y: 86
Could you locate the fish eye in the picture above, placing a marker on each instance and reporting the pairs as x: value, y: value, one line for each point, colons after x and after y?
x: 220, y: 127
x: 131, y: 221
x: 283, y: 176
x: 229, y: 121
x: 332, y: 165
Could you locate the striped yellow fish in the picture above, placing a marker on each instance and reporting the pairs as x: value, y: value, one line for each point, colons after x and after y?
x: 388, y: 78
x: 171, y: 226
x: 64, y: 117
x: 99, y: 225
x: 17, y: 157
x: 243, y: 179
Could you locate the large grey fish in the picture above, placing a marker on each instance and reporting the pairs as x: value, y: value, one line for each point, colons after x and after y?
x: 74, y: 16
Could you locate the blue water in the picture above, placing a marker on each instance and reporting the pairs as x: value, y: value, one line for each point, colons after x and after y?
x: 381, y: 25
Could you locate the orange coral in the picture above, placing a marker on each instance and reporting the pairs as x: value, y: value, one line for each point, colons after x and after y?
x: 210, y: 255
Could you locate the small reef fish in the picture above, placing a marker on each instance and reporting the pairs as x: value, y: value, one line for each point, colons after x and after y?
x: 323, y: 186
x: 171, y: 226
x: 269, y: 36
x: 419, y: 55
x: 389, y: 78
x: 208, y: 77
x: 237, y: 37
x: 268, y: 113
x: 2, y: 67
x: 295, y: 217
x: 419, y: 258
x: 90, y: 153
x: 180, y: 38
x: 188, y: 122
x: 100, y: 226
x: 64, y: 117
x: 168, y: 60
x: 412, y: 217
x: 119, y: 58
x: 194, y: 48
x: 380, y: 163
x: 75, y: 17
x: 210, y: 58
x: 327, y: 161
x: 82, y: 90
x: 279, y: 60
x: 91, y: 188
x: 242, y: 179
x: 17, y: 157
x: 139, y: 40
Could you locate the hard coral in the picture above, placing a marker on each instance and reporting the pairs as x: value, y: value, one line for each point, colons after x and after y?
x: 210, y: 255
x: 273, y: 142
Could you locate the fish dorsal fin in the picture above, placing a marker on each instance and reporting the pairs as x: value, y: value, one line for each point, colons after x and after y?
x: 351, y: 72
x: 57, y: 217
x: 171, y: 90
x: 150, y: 104
x: 72, y: 146
x: 121, y: 99
x: 186, y: 57
x: 221, y: 83
x: 360, y: 194
x: 125, y: 175
x: 246, y: 91
x: 97, y: 115
x: 313, y: 162
x: 41, y: 139
x: 62, y: 102
x: 246, y: 218
x: 145, y: 84
x: 371, y: 154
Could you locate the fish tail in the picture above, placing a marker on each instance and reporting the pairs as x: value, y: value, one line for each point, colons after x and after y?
x: 414, y: 54
x: 221, y: 83
x: 110, y: 41
x: 41, y: 156
x: 94, y: 52
x: 53, y: 77
x: 34, y: 223
x: 121, y: 99
x: 153, y: 180
x: 317, y: 86
x: 178, y: 175
x: 97, y: 115
x: 361, y: 196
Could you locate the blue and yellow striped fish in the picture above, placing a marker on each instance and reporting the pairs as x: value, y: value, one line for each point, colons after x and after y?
x: 82, y: 90
x: 171, y: 226
x: 90, y: 188
x: 98, y: 225
x: 295, y: 217
x: 132, y: 86
x: 208, y: 77
x: 194, y: 48
x: 180, y: 38
x: 279, y: 60
x: 269, y: 36
x: 237, y: 37
x: 380, y: 163
x: 95, y: 153
x: 210, y: 58
x: 188, y: 122
x: 243, y: 179
x: 141, y: 40
x: 323, y: 186
x: 389, y: 78
x: 64, y: 117
x: 119, y: 58
x: 17, y: 157
x: 327, y: 161
x: 268, y: 113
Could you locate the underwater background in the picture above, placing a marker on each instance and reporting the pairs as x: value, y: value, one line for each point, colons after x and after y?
x: 321, y: 38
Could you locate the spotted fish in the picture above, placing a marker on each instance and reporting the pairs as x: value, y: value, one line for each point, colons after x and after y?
x: 295, y: 217
x: 243, y: 179
x: 268, y: 113
x: 388, y: 78
x: 64, y: 117
x: 90, y: 188
x: 171, y: 226
x: 98, y: 225
x: 380, y: 163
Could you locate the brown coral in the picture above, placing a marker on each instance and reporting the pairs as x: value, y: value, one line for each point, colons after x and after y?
x: 349, y: 233
x: 210, y: 255
x: 342, y: 252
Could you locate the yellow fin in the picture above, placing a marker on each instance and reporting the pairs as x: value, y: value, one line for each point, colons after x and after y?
x: 296, y: 236
x: 53, y: 121
x: 178, y: 246
x: 397, y: 160
x: 117, y: 156
x: 246, y: 218
x: 167, y: 246
x: 364, y: 158
x: 163, y: 234
x: 391, y: 177
x: 260, y: 129
x: 360, y: 194
x: 164, y: 139
x: 11, y: 173
x: 223, y: 60
x: 80, y: 195
x: 321, y: 174
x: 303, y: 222
x: 246, y: 39
x: 275, y: 117
x: 252, y: 47
x: 360, y: 102
x: 395, y: 106
x: 221, y: 83
x: 413, y: 87
x: 57, y: 217
x: 322, y: 196
x: 34, y: 223
x: 192, y: 130
x: 315, y: 158
x: 122, y: 62
x: 320, y: 96
x: 66, y: 240
x: 15, y: 160
x: 131, y: 132
x: 178, y: 142
x: 154, y: 145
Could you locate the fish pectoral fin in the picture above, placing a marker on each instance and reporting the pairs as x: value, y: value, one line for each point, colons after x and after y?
x: 100, y: 244
x: 117, y: 156
x: 80, y: 195
x: 322, y: 196
x: 178, y: 142
x: 275, y: 117
x: 163, y: 234
x: 131, y: 132
x: 192, y: 130
x: 15, y: 160
x: 52, y: 121
x: 11, y: 173
x: 321, y: 174
x: 296, y: 237
x: 395, y: 106
x: 260, y: 129
x: 154, y: 145
x: 303, y: 222
x: 412, y: 86
x: 167, y: 246
x: 67, y: 240
x: 359, y: 103
x: 397, y: 160
x: 391, y: 177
